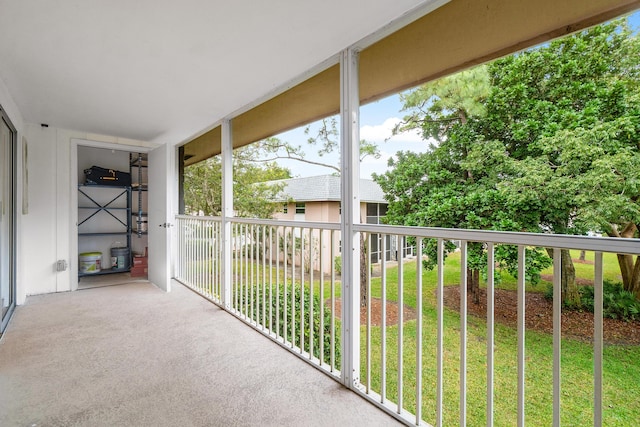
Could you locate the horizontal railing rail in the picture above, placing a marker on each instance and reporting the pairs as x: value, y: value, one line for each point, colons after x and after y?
x: 424, y: 355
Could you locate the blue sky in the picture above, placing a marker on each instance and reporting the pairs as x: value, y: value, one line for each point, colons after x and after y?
x: 376, y: 119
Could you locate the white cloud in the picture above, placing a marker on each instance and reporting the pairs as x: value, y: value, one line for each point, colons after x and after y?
x: 380, y: 133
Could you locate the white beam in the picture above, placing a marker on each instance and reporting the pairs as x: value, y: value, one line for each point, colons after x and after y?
x: 350, y: 164
x: 227, y: 210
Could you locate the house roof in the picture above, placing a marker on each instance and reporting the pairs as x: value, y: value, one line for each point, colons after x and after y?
x: 325, y: 188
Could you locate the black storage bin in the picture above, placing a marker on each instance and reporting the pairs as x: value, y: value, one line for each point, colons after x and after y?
x: 96, y: 175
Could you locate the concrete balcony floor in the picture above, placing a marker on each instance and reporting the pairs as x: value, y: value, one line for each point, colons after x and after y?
x: 133, y: 355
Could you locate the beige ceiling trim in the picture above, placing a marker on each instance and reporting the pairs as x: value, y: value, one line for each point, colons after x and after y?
x: 463, y: 33
x: 460, y: 34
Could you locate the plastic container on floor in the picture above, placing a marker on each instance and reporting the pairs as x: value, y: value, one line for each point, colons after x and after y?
x: 90, y: 262
x: 120, y: 258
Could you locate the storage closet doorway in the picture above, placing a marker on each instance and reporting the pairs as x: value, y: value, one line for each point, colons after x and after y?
x: 111, y: 244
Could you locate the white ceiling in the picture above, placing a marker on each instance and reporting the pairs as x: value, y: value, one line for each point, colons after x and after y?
x: 164, y: 70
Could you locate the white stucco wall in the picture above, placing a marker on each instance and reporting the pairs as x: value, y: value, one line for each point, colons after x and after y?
x: 48, y: 231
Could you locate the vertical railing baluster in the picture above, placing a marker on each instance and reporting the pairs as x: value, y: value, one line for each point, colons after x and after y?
x: 202, y: 258
x: 303, y: 267
x: 235, y: 277
x: 204, y: 263
x: 332, y: 331
x: 292, y: 318
x: 400, y: 322
x: 557, y: 334
x: 521, y: 334
x: 419, y: 332
x: 252, y: 261
x: 263, y: 251
x: 321, y: 291
x: 285, y: 325
x: 311, y: 295
x: 271, y: 279
x: 219, y: 261
x: 368, y: 316
x: 440, y: 332
x: 383, y: 330
x: 187, y: 255
x: 209, y: 258
x: 491, y: 265
x: 463, y: 331
x: 198, y: 256
x: 278, y: 281
x: 247, y: 273
x: 216, y: 265
x: 190, y: 253
x: 179, y: 251
x: 192, y: 256
x: 598, y: 345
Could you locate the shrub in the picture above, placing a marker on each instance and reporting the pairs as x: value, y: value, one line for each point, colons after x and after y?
x: 337, y: 264
x: 548, y: 293
x: 277, y: 305
x: 617, y: 303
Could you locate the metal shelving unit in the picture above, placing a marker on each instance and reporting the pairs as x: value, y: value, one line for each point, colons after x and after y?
x: 100, y: 209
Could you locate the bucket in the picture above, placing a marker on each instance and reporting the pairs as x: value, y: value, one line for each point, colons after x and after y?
x: 120, y: 258
x: 90, y: 262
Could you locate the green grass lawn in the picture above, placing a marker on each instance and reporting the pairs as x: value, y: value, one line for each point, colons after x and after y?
x: 621, y: 364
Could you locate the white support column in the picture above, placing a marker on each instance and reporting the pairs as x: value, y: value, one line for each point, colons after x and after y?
x: 227, y: 210
x: 350, y: 178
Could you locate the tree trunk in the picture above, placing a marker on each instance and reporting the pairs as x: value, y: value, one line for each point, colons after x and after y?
x: 570, y: 294
x: 629, y: 270
x: 473, y: 284
x: 626, y: 269
x: 583, y: 255
x: 634, y: 286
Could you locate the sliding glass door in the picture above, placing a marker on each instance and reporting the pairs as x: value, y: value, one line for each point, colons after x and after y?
x: 7, y: 219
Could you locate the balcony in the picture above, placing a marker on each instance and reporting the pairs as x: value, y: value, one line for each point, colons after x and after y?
x: 135, y: 355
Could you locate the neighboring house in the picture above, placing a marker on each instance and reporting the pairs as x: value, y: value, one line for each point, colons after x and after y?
x: 317, y: 199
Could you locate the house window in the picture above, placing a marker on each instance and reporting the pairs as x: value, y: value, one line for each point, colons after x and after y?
x: 285, y: 208
x: 375, y: 211
x: 300, y: 208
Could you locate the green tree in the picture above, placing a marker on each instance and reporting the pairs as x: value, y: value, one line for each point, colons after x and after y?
x: 545, y: 140
x: 568, y: 114
x: 454, y: 184
x: 252, y: 196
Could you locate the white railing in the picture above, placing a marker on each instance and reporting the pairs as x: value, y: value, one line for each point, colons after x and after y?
x: 437, y: 366
x: 283, y: 280
x: 199, y: 255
